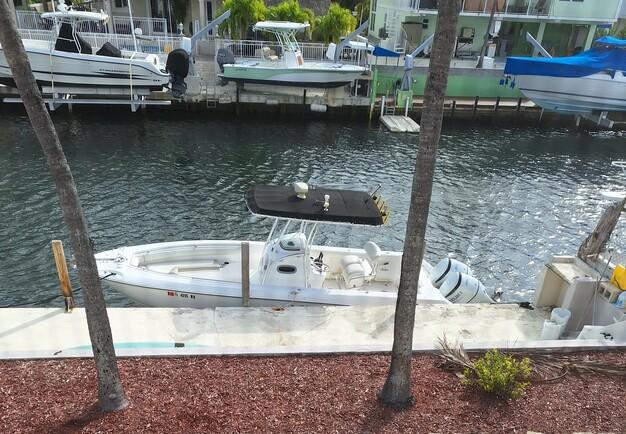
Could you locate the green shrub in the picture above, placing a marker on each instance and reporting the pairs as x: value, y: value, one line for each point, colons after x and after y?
x: 499, y: 374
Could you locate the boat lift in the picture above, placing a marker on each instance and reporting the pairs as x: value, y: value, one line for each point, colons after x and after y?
x: 189, y: 44
x: 343, y: 44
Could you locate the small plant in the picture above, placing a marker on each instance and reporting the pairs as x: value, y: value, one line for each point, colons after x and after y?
x: 499, y: 374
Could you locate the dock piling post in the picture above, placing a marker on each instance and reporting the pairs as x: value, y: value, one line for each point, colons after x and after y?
x: 453, y: 107
x: 519, y: 104
x: 475, y: 106
x: 64, y: 277
x: 382, y: 106
x: 406, y: 106
x: 245, y: 273
x: 497, y: 103
x: 304, y: 97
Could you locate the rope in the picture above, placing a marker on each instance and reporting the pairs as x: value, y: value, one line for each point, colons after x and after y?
x: 47, y: 300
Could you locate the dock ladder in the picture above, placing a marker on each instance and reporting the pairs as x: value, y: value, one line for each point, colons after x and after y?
x: 209, y: 94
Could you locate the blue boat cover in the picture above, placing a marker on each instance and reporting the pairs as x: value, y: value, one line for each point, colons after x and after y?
x: 607, y: 54
x: 383, y: 52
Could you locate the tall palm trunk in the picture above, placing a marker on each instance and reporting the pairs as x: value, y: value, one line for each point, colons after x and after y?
x: 110, y: 391
x: 397, y: 389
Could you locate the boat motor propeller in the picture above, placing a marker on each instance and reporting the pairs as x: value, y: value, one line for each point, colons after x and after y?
x: 178, y: 67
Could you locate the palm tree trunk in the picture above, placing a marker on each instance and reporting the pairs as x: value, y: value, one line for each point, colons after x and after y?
x: 397, y: 389
x: 110, y: 391
x: 483, y: 49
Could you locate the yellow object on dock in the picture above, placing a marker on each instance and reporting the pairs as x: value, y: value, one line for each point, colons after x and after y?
x: 619, y: 277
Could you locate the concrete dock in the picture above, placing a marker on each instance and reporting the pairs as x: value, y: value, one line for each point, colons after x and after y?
x: 50, y: 332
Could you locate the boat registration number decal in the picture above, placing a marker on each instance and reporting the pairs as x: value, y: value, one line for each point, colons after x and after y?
x: 180, y: 294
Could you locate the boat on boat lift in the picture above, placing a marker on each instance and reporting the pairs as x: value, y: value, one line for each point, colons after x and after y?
x: 592, y: 81
x: 70, y: 62
x: 288, y: 268
x: 288, y: 67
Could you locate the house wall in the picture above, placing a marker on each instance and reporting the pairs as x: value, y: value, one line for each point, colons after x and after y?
x: 140, y: 8
x: 599, y: 10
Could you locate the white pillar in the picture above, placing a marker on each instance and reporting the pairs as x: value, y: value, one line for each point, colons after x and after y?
x: 592, y: 32
x: 202, y: 9
x: 539, y: 38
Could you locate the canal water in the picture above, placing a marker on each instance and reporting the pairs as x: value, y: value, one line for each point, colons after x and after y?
x: 504, y: 200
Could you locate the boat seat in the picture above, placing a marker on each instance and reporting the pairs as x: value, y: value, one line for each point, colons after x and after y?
x: 109, y: 50
x: 267, y: 55
x: 355, y: 271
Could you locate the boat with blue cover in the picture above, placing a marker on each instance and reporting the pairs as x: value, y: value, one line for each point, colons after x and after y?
x: 591, y: 81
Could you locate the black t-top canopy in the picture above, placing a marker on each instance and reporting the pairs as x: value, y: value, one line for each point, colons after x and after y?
x: 344, y: 206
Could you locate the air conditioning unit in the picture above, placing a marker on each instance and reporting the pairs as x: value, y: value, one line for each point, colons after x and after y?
x: 382, y: 33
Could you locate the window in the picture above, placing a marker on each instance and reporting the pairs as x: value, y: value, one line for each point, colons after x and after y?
x: 372, y: 21
x: 17, y: 3
x: 121, y: 3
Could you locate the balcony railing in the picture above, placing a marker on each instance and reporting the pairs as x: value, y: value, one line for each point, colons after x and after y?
x: 148, y: 26
x: 121, y: 25
x: 509, y: 7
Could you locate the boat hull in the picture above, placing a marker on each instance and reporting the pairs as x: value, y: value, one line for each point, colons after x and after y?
x: 165, y: 284
x: 596, y: 92
x: 75, y: 70
x: 317, y: 76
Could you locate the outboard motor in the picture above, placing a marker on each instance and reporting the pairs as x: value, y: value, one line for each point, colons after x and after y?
x: 178, y: 67
x: 463, y: 288
x: 445, y: 267
x: 224, y: 56
x: 456, y: 283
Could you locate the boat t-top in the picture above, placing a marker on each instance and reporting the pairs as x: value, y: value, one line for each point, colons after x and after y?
x: 286, y: 68
x: 69, y: 62
x: 288, y: 268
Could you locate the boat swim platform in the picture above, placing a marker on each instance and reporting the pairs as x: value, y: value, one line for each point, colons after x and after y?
x: 32, y: 333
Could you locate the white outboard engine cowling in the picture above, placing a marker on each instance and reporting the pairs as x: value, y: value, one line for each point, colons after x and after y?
x: 445, y: 267
x: 463, y: 288
x: 178, y: 67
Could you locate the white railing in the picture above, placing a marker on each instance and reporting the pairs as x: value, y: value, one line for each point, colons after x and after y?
x: 154, y: 44
x: 509, y: 7
x: 32, y: 20
x: 121, y: 25
x: 148, y: 26
x: 311, y: 51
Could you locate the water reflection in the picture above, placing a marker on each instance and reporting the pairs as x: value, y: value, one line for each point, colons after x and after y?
x: 504, y: 200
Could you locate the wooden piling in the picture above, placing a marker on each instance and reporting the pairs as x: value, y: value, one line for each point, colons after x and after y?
x: 64, y: 277
x: 245, y: 273
x: 453, y: 108
x: 497, y: 104
x: 475, y: 106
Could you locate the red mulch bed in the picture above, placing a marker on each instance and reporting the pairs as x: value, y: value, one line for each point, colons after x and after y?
x: 294, y: 394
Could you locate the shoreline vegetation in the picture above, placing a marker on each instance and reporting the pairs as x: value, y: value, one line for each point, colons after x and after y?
x: 296, y: 394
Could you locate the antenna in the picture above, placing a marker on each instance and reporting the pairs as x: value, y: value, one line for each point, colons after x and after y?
x: 375, y: 191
